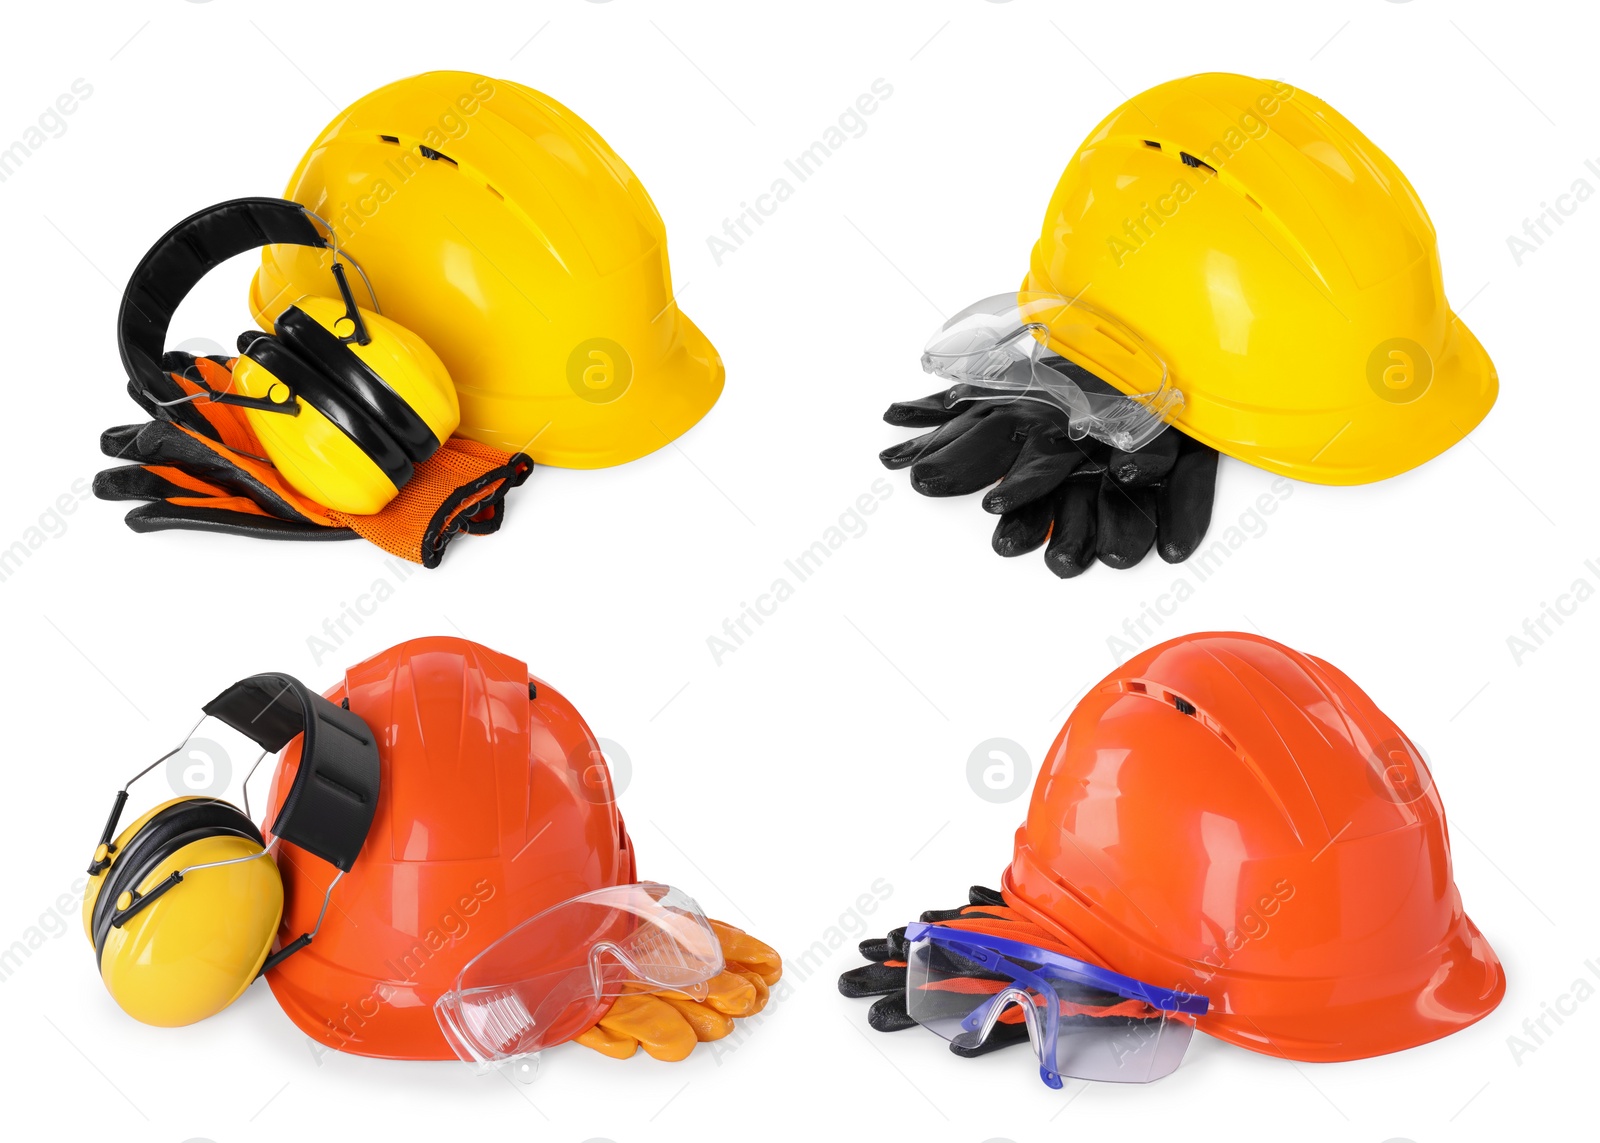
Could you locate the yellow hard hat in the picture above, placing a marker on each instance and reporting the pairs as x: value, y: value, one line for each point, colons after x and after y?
x: 1281, y: 267
x: 502, y: 229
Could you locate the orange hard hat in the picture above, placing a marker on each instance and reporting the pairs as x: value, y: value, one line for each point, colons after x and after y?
x: 1227, y: 816
x: 495, y: 804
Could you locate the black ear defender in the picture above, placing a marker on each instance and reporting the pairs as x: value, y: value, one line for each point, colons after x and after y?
x: 344, y: 401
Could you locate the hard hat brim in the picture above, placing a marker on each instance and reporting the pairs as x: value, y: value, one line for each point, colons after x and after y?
x: 661, y: 404
x: 1362, y: 448
x: 1314, y: 1020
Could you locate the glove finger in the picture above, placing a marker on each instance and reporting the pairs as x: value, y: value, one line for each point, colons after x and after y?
x: 890, y: 1015
x: 763, y: 991
x: 978, y: 458
x: 730, y: 993
x: 923, y: 412
x: 1072, y: 539
x: 1150, y: 465
x: 1127, y: 526
x: 979, y: 895
x: 164, y: 444
x: 613, y: 1044
x: 936, y: 916
x: 889, y: 947
x: 1045, y: 460
x: 1002, y: 1035
x: 873, y: 980
x: 1183, y: 503
x: 659, y: 1027
x: 875, y: 949
x: 136, y: 482
x: 164, y: 516
x: 909, y: 452
x: 741, y: 949
x: 706, y: 1022
x: 1024, y: 529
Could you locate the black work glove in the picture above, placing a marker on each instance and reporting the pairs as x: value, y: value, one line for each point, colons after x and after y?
x: 885, y: 977
x: 1086, y: 498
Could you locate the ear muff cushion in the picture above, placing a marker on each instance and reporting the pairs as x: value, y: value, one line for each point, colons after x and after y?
x: 170, y: 830
x: 316, y: 387
x: 358, y: 381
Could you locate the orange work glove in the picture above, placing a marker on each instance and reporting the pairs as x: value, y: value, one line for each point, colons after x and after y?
x: 669, y: 1024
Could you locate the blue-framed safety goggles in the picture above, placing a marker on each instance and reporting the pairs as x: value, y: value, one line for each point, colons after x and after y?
x: 1084, y: 1022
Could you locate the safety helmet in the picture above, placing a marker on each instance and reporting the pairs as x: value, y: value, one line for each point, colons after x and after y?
x: 507, y: 234
x: 495, y: 804
x: 1229, y: 817
x: 1282, y: 268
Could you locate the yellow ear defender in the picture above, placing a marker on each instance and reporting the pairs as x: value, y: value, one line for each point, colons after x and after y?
x: 344, y: 401
x: 193, y: 953
x: 183, y: 906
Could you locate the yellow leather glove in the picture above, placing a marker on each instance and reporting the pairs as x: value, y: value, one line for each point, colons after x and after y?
x: 669, y: 1024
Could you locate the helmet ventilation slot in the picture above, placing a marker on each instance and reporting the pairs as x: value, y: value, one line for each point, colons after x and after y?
x: 1190, y: 161
x: 389, y: 139
x: 1151, y: 143
x: 1178, y: 703
x: 439, y: 156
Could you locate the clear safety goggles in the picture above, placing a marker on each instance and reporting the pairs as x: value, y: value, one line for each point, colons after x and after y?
x: 557, y: 973
x: 1084, y: 1022
x: 1002, y: 348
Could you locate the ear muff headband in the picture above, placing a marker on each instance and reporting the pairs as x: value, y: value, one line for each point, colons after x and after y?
x: 187, y: 253
x: 357, y: 380
x: 335, y: 793
x: 328, y: 810
x: 163, y: 835
x: 199, y: 244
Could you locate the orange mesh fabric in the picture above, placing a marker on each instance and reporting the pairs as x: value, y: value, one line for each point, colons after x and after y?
x: 460, y: 488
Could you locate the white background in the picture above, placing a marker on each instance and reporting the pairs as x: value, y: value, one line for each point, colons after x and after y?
x: 830, y: 751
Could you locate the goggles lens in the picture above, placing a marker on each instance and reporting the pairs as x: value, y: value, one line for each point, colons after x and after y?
x: 553, y: 976
x: 1028, y: 345
x: 1084, y: 1022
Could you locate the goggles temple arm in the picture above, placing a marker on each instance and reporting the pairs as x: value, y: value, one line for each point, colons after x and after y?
x: 988, y: 1013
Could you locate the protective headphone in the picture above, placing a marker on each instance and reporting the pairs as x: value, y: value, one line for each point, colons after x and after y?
x: 183, y: 905
x: 344, y: 401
